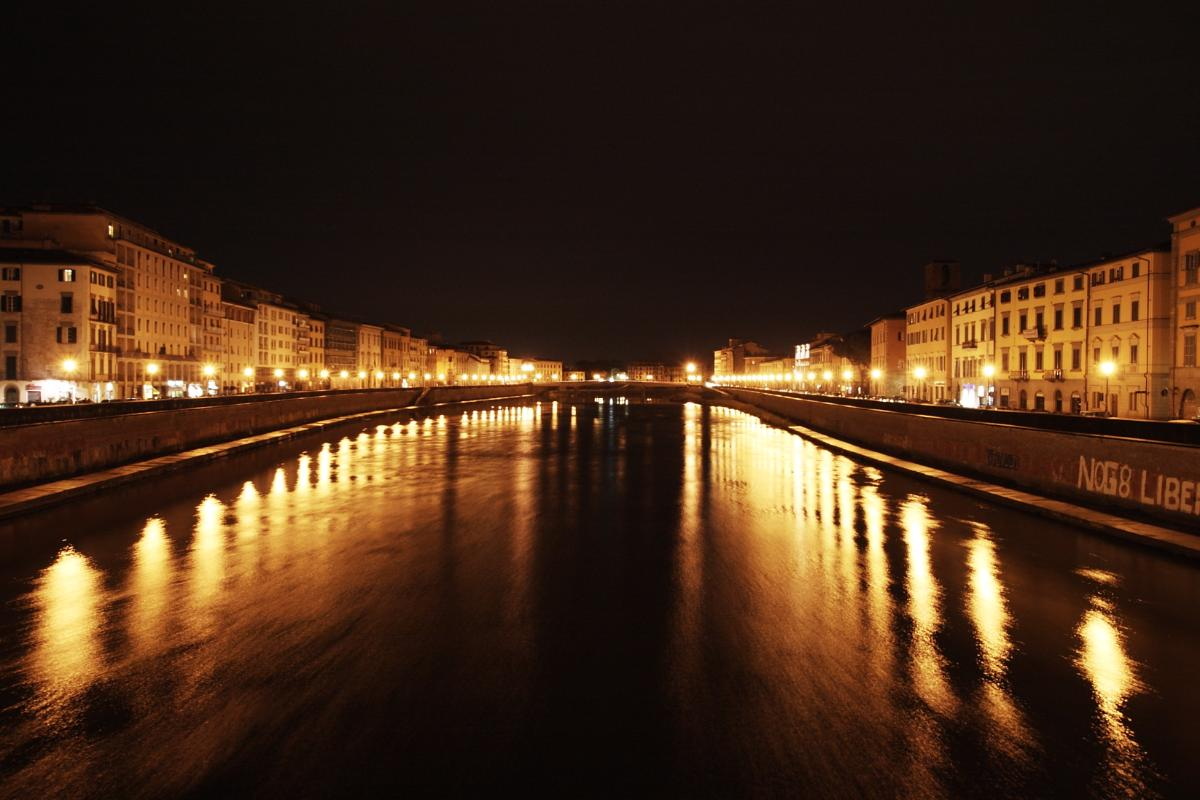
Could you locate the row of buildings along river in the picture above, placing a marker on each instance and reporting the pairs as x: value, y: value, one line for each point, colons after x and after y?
x: 96, y: 306
x: 1115, y: 336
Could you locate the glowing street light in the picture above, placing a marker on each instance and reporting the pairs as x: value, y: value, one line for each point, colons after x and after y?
x: 209, y: 370
x: 324, y: 374
x: 69, y: 366
x: 919, y: 373
x: 344, y: 374
x: 248, y: 372
x: 362, y: 374
x: 989, y: 370
x: 152, y: 369
x: 302, y: 374
x: 1107, y: 368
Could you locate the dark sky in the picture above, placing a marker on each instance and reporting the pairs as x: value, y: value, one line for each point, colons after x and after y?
x: 608, y: 179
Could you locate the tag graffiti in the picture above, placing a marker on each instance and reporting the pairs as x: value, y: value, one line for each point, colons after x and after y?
x: 1121, y: 480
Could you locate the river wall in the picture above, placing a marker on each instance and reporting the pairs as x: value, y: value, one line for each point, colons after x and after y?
x: 52, y: 450
x: 1158, y: 479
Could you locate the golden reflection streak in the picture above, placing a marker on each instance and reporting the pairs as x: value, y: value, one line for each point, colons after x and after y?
x: 1103, y: 661
x: 988, y: 610
x: 206, y: 563
x: 879, y: 602
x: 66, y: 655
x: 303, y: 479
x: 924, y: 596
x: 325, y: 467
x: 150, y: 581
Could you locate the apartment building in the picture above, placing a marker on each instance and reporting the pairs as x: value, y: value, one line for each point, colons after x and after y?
x: 888, y: 354
x: 313, y: 373
x: 239, y: 348
x: 927, y: 350
x: 657, y: 371
x: 1185, y: 284
x: 972, y: 346
x: 211, y: 326
x: 1040, y: 333
x: 341, y: 352
x: 495, y: 355
x: 1129, y: 334
x: 58, y: 316
x: 370, y: 354
x: 159, y: 284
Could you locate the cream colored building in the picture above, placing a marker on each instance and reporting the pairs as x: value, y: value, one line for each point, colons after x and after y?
x: 1041, y: 328
x: 312, y: 364
x: 972, y: 347
x: 1185, y: 282
x: 887, y: 354
x: 58, y: 318
x: 927, y: 350
x: 534, y: 369
x: 239, y: 348
x: 159, y: 284
x: 370, y: 354
x: 1129, y: 335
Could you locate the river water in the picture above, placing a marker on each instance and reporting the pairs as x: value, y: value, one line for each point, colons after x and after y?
x: 603, y: 599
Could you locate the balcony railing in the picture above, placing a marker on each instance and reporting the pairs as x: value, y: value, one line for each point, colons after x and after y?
x: 1019, y: 375
x: 1036, y: 333
x: 1053, y: 375
x: 969, y: 344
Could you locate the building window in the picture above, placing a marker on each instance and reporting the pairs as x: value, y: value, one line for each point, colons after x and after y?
x: 1004, y: 325
x: 1023, y: 293
x: 1077, y: 317
x: 10, y: 273
x: 1023, y: 319
x: 1058, y: 318
x: 1038, y: 360
x: 1005, y: 297
x: 1004, y: 361
x: 1191, y: 262
x: 1135, y: 310
x: 10, y: 334
x: 1189, y: 309
x: 1116, y: 313
x: 1075, y: 356
x: 1077, y: 284
x: 10, y: 367
x: 1136, y: 268
x: 1039, y: 290
x: 66, y: 276
x: 1097, y: 322
x: 67, y: 304
x: 1133, y: 353
x: 65, y: 335
x: 10, y: 302
x: 1189, y: 350
x: 1059, y: 287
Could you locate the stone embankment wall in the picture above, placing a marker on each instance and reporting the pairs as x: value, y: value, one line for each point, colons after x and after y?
x: 51, y: 450
x: 1161, y: 480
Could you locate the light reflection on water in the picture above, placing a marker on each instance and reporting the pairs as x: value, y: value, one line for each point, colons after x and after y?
x: 525, y: 588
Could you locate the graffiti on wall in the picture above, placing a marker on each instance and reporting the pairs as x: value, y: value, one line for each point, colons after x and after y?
x: 1158, y: 489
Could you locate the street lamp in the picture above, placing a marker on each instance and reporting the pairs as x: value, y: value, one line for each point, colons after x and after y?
x: 152, y: 370
x: 827, y: 376
x: 847, y: 375
x: 1107, y: 368
x: 876, y: 374
x: 919, y: 373
x: 989, y: 370
x: 69, y: 366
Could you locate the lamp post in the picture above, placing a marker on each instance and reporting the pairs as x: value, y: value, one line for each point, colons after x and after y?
x: 209, y: 372
x: 919, y: 373
x: 325, y: 378
x: 1107, y: 368
x: 248, y: 374
x: 876, y: 374
x: 152, y: 370
x: 827, y: 378
x: 690, y: 369
x: 847, y: 376
x: 69, y: 366
x: 989, y: 371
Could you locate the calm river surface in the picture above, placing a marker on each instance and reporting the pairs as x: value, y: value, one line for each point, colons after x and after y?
x: 602, y: 599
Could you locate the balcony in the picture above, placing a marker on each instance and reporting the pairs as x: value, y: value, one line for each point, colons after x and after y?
x: 1019, y: 375
x: 1053, y: 375
x: 1035, y: 334
x: 970, y: 344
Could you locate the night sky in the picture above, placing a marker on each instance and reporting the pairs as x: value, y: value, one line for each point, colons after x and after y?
x: 590, y: 180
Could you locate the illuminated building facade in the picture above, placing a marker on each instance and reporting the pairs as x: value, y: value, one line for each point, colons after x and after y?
x: 58, y: 323
x: 973, y: 347
x: 887, y: 370
x: 1185, y: 285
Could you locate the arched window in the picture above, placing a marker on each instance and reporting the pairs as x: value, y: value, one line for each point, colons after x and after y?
x: 1058, y: 401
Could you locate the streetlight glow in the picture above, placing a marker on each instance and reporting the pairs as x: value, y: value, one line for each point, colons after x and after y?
x: 209, y: 370
x: 278, y: 373
x: 919, y: 373
x: 152, y: 369
x: 876, y: 374
x: 1107, y: 368
x: 988, y: 370
x: 70, y: 365
x: 248, y: 372
x: 847, y: 374
x: 302, y: 374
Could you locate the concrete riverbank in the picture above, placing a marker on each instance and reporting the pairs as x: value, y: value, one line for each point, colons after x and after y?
x: 1155, y: 481
x: 48, y: 451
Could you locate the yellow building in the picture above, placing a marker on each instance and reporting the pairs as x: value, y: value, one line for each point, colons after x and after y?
x: 313, y: 372
x: 1040, y: 334
x: 370, y: 354
x: 58, y: 316
x: 927, y: 350
x: 1129, y: 334
x: 972, y: 347
x: 887, y: 368
x: 239, y: 348
x: 159, y: 283
x: 1185, y: 282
